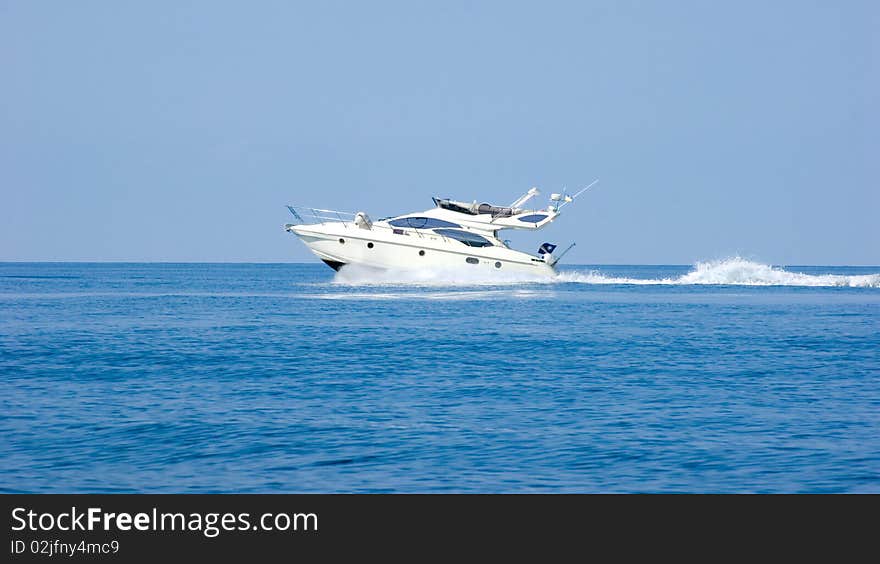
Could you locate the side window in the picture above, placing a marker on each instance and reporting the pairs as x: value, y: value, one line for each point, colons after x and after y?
x: 534, y: 218
x: 469, y: 239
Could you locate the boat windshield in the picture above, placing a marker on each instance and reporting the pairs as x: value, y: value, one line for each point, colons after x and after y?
x: 474, y: 209
x: 454, y: 206
x: 496, y: 211
x: 421, y: 223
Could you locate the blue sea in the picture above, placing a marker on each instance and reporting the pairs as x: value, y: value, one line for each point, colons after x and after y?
x: 725, y: 376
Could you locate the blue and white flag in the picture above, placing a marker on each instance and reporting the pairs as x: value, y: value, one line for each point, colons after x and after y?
x: 547, y: 248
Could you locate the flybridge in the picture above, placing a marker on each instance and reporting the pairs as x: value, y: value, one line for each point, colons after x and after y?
x: 488, y: 209
x: 485, y: 216
x: 474, y: 208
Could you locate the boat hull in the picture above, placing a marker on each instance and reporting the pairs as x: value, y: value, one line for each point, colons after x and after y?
x: 337, y: 245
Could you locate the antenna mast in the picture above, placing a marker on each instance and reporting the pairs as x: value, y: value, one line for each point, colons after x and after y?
x: 581, y: 191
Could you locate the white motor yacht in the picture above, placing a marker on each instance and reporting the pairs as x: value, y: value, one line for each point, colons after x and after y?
x: 450, y: 236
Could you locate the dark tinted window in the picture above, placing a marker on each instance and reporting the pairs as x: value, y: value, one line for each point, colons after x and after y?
x: 472, y: 260
x: 469, y: 239
x: 421, y: 223
x: 534, y: 218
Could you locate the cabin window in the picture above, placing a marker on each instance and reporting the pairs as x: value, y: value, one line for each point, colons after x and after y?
x: 534, y: 218
x: 369, y: 245
x: 465, y: 237
x: 342, y: 241
x: 421, y: 223
x: 472, y: 260
x: 421, y: 253
x: 498, y: 265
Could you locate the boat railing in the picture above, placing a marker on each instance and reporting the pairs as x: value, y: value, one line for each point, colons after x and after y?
x: 305, y: 215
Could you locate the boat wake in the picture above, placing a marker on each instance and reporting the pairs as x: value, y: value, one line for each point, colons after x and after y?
x: 734, y: 271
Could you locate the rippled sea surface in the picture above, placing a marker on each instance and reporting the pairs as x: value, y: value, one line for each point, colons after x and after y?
x: 284, y: 378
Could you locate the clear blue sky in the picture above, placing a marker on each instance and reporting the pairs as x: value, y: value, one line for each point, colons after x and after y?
x: 177, y: 131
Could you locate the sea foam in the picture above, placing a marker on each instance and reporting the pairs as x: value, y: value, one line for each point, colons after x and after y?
x: 735, y: 271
